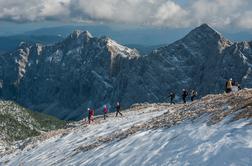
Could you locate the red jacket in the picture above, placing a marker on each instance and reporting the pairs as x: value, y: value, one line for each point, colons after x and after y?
x: 105, y: 110
x: 91, y: 112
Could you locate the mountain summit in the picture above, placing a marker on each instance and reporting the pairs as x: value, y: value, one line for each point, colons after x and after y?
x: 206, y: 35
x: 204, y: 29
x: 80, y: 34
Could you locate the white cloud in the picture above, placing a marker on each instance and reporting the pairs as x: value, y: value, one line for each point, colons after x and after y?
x: 245, y: 20
x: 148, y: 12
x: 33, y: 10
x: 168, y: 13
x: 55, y: 9
x: 220, y: 13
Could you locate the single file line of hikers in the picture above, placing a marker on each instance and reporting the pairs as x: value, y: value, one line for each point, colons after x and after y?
x: 184, y: 95
x: 230, y: 86
x: 91, y: 112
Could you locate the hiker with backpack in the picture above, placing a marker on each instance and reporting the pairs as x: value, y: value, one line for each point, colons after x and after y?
x: 193, y: 95
x: 184, y: 95
x: 172, y: 96
x: 90, y: 115
x: 118, y: 107
x: 229, y: 85
x: 105, y: 111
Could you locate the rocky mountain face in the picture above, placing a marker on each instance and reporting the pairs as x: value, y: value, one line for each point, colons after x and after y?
x: 202, y: 60
x: 84, y: 71
x: 65, y: 78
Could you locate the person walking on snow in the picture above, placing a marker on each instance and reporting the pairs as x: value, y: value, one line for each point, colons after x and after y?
x: 172, y: 96
x: 193, y: 95
x: 184, y: 95
x: 229, y: 85
x: 118, y: 107
x: 90, y: 115
x: 239, y: 86
x: 105, y: 111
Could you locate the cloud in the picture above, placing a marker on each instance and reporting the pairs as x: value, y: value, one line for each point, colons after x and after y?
x: 33, y: 10
x: 164, y: 13
x: 220, y: 13
x: 142, y: 12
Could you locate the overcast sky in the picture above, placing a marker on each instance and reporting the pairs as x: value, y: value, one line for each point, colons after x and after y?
x: 222, y: 14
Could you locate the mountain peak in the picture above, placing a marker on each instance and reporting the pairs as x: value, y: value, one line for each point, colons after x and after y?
x: 204, y: 32
x: 23, y: 44
x: 205, y: 26
x: 88, y: 34
x: 118, y: 49
x: 207, y: 29
x: 78, y: 33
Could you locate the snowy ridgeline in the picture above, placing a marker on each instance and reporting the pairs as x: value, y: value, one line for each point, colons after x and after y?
x: 216, y: 130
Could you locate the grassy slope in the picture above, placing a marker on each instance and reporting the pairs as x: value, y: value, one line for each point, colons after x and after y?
x: 18, y: 123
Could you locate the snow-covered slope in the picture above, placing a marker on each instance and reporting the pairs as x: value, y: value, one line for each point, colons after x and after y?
x: 216, y: 130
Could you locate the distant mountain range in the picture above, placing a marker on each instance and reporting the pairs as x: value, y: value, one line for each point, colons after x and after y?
x: 81, y: 71
x: 139, y: 36
x: 9, y: 43
x: 143, y: 39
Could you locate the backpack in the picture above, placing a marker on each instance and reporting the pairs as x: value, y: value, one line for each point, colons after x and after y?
x: 229, y: 84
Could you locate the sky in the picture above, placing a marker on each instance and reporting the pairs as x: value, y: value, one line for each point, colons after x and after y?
x: 17, y: 16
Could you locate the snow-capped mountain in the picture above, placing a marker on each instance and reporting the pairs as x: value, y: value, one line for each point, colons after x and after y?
x: 216, y: 130
x: 84, y: 71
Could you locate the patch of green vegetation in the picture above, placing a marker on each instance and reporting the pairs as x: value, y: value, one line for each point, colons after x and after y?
x: 18, y: 123
x: 47, y: 122
x: 14, y: 130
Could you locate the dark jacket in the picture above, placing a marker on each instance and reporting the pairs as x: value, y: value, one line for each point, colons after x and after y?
x: 184, y: 94
x: 118, y: 107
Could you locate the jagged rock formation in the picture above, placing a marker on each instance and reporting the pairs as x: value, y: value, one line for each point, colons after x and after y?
x: 84, y: 71
x: 65, y: 78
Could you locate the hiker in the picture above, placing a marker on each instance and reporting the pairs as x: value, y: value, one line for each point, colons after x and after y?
x: 90, y: 115
x: 239, y: 86
x: 105, y: 111
x: 229, y: 85
x: 184, y: 95
x: 172, y: 96
x: 193, y: 95
x: 233, y: 82
x: 118, y: 107
x: 235, y: 87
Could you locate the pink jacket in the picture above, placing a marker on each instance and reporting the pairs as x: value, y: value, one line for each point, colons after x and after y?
x: 105, y: 110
